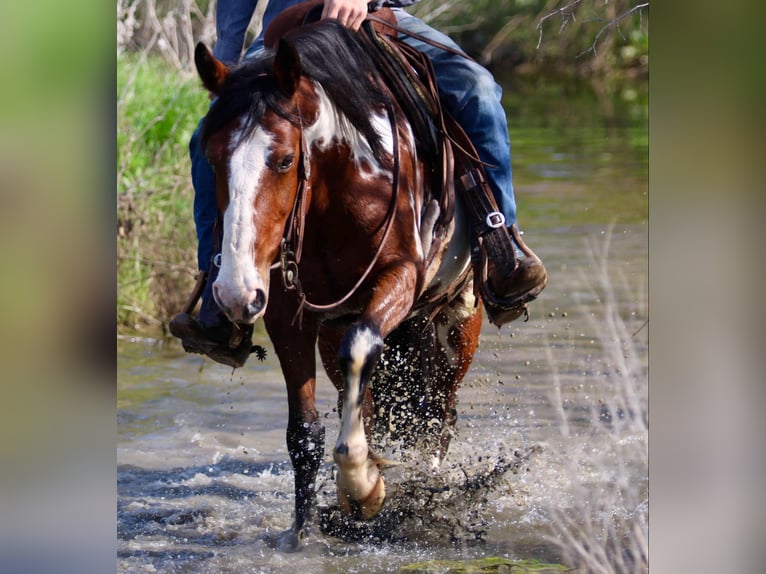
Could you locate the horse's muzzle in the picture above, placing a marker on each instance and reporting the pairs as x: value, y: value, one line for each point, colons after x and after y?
x: 244, y: 310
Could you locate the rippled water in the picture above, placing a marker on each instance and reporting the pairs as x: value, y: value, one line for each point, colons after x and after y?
x: 203, y: 470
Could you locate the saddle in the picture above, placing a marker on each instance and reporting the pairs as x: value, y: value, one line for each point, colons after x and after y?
x: 409, y: 75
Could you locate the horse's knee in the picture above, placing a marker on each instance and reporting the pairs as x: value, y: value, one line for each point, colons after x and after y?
x: 305, y: 444
x: 306, y: 439
x: 359, y: 353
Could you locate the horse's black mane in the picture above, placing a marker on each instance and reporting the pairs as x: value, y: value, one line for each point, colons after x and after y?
x: 330, y: 55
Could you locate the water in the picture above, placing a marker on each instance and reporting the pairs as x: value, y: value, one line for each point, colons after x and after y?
x: 203, y: 470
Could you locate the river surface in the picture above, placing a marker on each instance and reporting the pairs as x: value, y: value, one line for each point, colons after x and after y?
x: 203, y: 470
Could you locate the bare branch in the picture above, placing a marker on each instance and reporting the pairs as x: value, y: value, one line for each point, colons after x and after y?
x: 567, y: 14
x: 612, y: 24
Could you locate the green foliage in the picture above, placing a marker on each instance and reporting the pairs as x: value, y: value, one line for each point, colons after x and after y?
x: 157, y: 112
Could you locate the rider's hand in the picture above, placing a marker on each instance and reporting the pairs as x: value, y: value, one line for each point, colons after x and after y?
x: 351, y: 13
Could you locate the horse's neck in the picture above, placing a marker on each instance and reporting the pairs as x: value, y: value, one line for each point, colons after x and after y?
x: 446, y: 258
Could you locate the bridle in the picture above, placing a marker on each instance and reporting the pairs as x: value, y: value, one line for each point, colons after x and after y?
x: 291, y: 246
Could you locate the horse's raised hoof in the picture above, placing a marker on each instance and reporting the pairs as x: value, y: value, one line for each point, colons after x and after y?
x: 365, y: 508
x: 287, y: 541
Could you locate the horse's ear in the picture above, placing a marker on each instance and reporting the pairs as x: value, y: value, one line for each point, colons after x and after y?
x: 211, y: 71
x: 287, y: 67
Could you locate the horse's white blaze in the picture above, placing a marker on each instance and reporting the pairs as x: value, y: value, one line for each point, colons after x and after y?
x: 238, y: 277
x: 332, y: 126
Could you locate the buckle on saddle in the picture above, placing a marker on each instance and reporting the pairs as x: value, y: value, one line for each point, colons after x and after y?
x: 495, y: 220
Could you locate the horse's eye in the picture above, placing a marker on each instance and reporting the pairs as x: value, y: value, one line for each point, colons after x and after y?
x: 286, y: 163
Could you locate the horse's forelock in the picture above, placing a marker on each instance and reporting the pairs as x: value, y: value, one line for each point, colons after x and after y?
x: 249, y: 91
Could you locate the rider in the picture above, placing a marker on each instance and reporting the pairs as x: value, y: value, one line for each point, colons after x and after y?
x: 469, y: 93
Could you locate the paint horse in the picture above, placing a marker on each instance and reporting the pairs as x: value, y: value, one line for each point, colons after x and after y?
x: 328, y: 220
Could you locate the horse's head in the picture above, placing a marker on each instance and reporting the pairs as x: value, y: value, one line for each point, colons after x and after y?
x: 252, y: 139
x: 316, y: 90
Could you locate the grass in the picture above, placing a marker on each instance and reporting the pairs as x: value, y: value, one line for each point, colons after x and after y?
x: 157, y: 112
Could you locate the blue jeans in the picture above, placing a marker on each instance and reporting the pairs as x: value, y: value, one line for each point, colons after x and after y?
x: 469, y: 92
x: 471, y: 95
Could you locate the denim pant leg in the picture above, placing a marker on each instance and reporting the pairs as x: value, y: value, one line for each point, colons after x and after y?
x: 472, y: 96
x: 205, y: 207
x: 232, y: 19
x: 273, y: 9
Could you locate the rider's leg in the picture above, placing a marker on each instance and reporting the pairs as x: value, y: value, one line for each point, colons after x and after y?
x: 473, y: 98
x: 208, y: 246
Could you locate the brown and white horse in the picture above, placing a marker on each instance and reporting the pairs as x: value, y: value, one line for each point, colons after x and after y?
x: 327, y: 227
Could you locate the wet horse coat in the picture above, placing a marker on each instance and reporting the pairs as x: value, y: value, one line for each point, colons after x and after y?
x: 327, y: 219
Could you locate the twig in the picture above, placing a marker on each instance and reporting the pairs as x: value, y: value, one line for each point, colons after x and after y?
x: 612, y: 24
x: 566, y: 13
x: 637, y: 331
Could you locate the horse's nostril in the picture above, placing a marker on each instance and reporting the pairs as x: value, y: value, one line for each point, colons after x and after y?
x: 256, y: 304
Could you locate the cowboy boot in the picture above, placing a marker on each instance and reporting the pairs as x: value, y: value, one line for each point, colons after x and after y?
x: 506, y: 281
x: 513, y: 283
x: 210, y: 332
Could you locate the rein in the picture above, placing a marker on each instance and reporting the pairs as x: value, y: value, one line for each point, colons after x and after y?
x: 291, y: 247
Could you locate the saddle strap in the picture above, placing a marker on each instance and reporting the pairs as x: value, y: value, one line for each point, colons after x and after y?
x: 491, y: 237
x: 393, y: 26
x: 191, y: 302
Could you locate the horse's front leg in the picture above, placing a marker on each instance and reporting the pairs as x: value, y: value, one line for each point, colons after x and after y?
x: 305, y: 433
x: 361, y: 490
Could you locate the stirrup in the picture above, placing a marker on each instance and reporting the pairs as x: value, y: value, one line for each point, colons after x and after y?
x: 502, y: 309
x: 196, y: 293
x: 194, y: 339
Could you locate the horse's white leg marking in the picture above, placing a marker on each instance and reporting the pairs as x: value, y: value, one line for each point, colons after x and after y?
x: 238, y: 278
x: 359, y: 480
